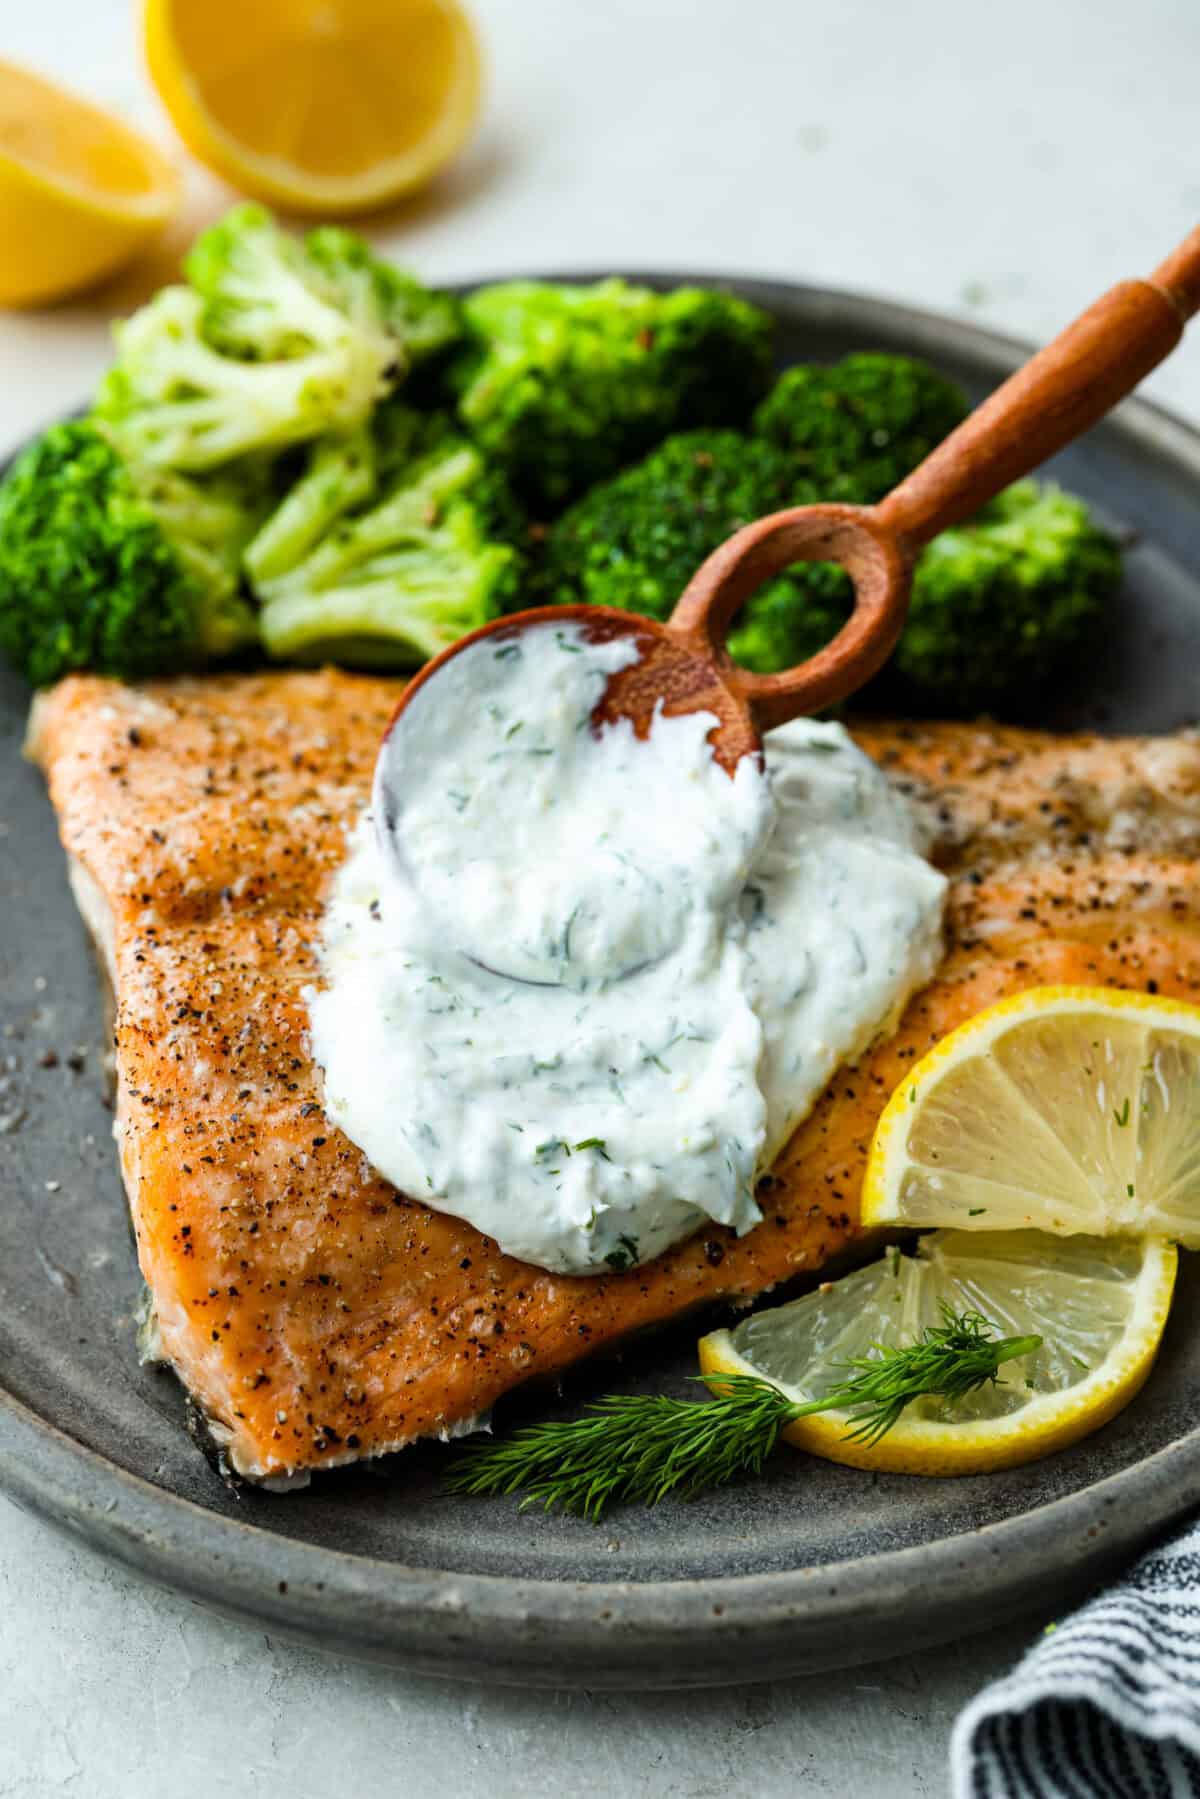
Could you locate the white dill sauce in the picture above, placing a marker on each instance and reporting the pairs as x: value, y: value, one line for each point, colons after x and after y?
x: 579, y: 988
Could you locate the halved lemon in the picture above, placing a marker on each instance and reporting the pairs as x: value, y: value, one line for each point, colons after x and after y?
x: 323, y: 106
x: 1062, y: 1109
x: 1099, y: 1304
x: 79, y: 192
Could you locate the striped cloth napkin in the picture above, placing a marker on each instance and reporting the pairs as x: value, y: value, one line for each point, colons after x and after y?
x: 1106, y: 1705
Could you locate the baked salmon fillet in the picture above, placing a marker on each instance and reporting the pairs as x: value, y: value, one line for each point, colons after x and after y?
x: 314, y: 1314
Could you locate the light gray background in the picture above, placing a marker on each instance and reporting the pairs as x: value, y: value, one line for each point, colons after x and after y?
x: 1003, y: 163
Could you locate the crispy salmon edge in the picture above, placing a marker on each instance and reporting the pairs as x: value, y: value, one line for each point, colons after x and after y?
x: 210, y: 1434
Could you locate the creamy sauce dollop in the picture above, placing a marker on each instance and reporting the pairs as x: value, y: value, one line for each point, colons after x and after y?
x: 579, y: 988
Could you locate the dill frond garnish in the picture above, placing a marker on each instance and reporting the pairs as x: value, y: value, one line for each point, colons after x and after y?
x: 645, y: 1447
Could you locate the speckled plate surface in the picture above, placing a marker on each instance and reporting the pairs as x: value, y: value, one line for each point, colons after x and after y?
x: 814, y: 1566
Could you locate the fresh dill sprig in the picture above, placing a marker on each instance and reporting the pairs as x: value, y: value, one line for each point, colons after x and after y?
x: 949, y: 1359
x: 644, y: 1447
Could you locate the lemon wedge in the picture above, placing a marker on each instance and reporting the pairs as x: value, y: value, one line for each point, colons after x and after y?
x: 79, y: 192
x: 318, y: 105
x: 1062, y: 1109
x: 1099, y: 1304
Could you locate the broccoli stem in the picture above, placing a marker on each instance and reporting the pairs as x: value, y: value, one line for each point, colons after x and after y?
x: 340, y: 475
x: 396, y: 622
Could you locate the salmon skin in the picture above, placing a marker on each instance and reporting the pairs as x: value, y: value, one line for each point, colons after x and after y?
x: 312, y: 1312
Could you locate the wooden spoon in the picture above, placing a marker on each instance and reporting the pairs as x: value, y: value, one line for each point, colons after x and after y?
x: 1064, y: 390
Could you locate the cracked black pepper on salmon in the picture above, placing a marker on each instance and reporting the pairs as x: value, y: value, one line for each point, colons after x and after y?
x: 315, y: 1314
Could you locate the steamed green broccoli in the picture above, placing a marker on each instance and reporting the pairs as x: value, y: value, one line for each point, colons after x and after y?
x: 266, y: 292
x: 338, y: 474
x: 846, y: 433
x: 999, y: 603
x: 173, y: 401
x: 275, y: 341
x: 267, y: 298
x: 128, y: 573
x: 562, y: 385
x: 856, y: 429
x: 636, y: 541
x: 420, y: 321
x: 432, y: 554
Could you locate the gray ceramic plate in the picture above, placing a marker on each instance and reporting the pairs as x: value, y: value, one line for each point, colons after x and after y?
x: 813, y: 1566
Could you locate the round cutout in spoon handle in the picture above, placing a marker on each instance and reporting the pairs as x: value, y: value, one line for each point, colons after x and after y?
x: 876, y: 562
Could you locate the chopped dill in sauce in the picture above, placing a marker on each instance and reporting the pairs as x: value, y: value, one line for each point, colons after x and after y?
x: 658, y: 967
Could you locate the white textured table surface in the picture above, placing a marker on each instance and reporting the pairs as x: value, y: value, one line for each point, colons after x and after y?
x: 1004, y: 166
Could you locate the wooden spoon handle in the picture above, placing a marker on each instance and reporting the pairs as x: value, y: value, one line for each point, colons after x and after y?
x: 1062, y: 392
x: 1066, y: 388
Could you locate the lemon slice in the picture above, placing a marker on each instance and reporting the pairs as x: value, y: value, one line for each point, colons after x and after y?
x: 317, y: 105
x: 1099, y: 1304
x: 1062, y: 1109
x: 79, y: 192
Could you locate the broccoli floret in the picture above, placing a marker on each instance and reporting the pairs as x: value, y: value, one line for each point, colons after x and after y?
x: 636, y: 541
x: 998, y: 604
x: 563, y: 385
x: 275, y: 342
x: 267, y: 297
x: 421, y: 322
x: 426, y: 320
x: 338, y: 474
x: 385, y: 586
x: 858, y: 428
x: 129, y: 574
x: 847, y: 433
x: 268, y: 294
x: 172, y: 401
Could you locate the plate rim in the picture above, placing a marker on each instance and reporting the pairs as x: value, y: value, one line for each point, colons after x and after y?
x: 660, y: 1633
